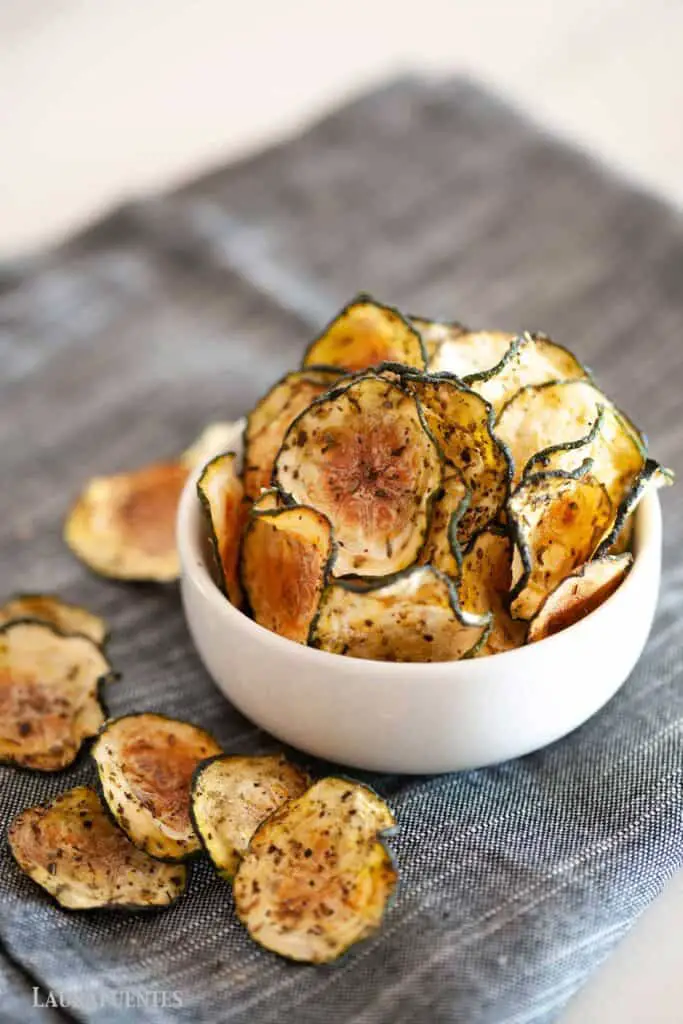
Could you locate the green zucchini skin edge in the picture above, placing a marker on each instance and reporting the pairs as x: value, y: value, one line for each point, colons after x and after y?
x: 102, y: 681
x: 639, y: 436
x: 360, y: 299
x: 542, y: 458
x: 99, y: 787
x: 627, y: 505
x: 332, y: 395
x: 452, y: 529
x: 515, y: 531
x: 208, y: 517
x: 255, y: 515
x: 515, y: 345
x: 29, y: 595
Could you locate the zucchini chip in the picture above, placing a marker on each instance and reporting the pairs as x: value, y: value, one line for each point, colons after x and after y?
x: 436, y: 336
x: 416, y: 617
x: 464, y: 352
x: 145, y: 764
x: 269, y: 501
x: 442, y: 548
x: 123, y: 526
x: 543, y: 418
x: 221, y: 494
x: 461, y: 421
x: 214, y: 439
x: 317, y: 878
x: 49, y: 694
x: 618, y: 537
x: 364, y: 334
x: 286, y: 558
x: 484, y: 585
x: 72, y: 849
x: 67, y: 618
x: 231, y: 796
x: 557, y: 520
x: 578, y: 594
x: 270, y: 419
x: 617, y: 456
x: 528, y: 359
x: 363, y: 457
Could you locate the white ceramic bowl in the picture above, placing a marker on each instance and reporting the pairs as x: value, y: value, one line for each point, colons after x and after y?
x: 438, y: 717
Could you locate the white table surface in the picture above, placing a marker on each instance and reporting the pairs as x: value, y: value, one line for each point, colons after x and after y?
x: 104, y: 100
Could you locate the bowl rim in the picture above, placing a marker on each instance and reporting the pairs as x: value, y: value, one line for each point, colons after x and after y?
x: 646, y: 545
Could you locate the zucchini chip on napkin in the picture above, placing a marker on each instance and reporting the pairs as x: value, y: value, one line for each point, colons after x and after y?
x: 460, y: 421
x: 484, y: 585
x: 50, y: 700
x: 557, y: 520
x: 269, y: 421
x: 365, y: 334
x: 316, y: 878
x: 73, y: 850
x: 232, y: 795
x: 415, y: 617
x: 286, y: 557
x: 362, y: 456
x: 123, y: 526
x: 67, y: 618
x: 221, y: 493
x: 145, y: 764
x: 578, y: 594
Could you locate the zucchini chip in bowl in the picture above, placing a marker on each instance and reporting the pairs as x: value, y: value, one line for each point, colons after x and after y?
x: 232, y: 795
x: 72, y: 849
x: 270, y: 419
x: 484, y: 584
x: 316, y: 878
x: 145, y: 763
x: 286, y: 557
x: 50, y: 694
x: 578, y: 594
x: 415, y: 617
x: 559, y: 424
x: 443, y: 545
x: 362, y: 456
x: 67, y: 618
x: 557, y: 520
x: 367, y: 333
x: 221, y: 493
x: 461, y: 421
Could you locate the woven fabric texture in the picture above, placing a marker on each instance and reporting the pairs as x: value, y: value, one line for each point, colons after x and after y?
x: 517, y: 880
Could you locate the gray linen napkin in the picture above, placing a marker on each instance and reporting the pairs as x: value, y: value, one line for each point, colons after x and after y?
x: 117, y: 347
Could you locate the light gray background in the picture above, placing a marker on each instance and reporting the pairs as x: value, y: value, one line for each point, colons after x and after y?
x: 104, y: 100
